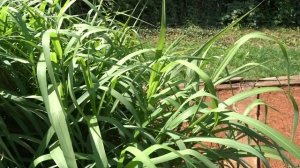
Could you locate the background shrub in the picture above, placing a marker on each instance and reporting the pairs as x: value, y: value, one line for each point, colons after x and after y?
x: 217, y: 13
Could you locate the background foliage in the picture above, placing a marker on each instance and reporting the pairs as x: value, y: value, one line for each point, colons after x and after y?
x: 218, y: 13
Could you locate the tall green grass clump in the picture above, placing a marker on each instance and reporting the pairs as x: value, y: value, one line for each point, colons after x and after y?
x: 79, y: 90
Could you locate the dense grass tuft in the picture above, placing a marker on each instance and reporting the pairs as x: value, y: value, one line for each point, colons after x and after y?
x: 82, y: 91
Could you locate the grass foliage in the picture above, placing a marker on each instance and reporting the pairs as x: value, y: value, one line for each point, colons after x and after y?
x: 267, y: 53
x: 81, y: 91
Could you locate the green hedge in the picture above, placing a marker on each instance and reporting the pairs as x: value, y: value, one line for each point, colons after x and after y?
x: 218, y: 13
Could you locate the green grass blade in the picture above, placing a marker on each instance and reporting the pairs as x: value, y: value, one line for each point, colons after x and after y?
x: 5, y: 149
x: 46, y: 39
x: 20, y: 22
x: 40, y: 160
x: 58, y: 157
x: 176, y: 119
x: 174, y: 154
x: 67, y: 4
x: 231, y: 53
x: 251, y: 106
x: 247, y: 94
x: 125, y: 102
x: 233, y: 144
x: 238, y: 71
x: 207, y: 80
x: 122, y: 61
x: 56, y: 114
x: 154, y: 76
x: 97, y: 143
x: 268, y: 131
x: 3, y: 19
x: 122, y: 130
x: 42, y: 148
x: 204, y: 49
x: 275, y: 154
x: 95, y: 9
x: 296, y: 116
x: 163, y: 28
x: 140, y: 157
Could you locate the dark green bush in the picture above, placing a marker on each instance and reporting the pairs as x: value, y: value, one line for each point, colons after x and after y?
x: 218, y: 13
